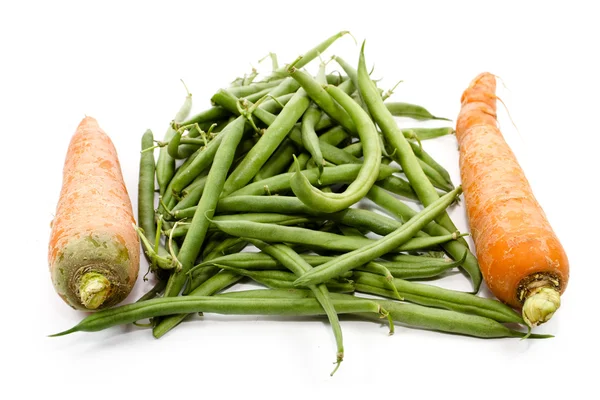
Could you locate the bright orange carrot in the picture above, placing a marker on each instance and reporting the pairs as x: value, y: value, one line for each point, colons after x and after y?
x: 94, y: 249
x: 520, y: 256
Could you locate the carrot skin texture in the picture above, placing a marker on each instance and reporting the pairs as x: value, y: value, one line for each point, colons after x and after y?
x: 513, y: 238
x: 93, y: 228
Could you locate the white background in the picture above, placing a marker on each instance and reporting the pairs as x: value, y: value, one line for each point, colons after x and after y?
x: 121, y: 62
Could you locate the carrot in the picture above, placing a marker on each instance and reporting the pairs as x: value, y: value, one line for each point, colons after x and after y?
x: 520, y: 256
x: 93, y: 252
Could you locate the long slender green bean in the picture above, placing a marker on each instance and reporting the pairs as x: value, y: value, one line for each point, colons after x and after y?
x: 216, y: 177
x: 434, y: 296
x: 398, y: 109
x: 454, y: 248
x: 382, y: 246
x: 331, y: 175
x: 165, y: 165
x: 403, y: 154
x: 317, y: 239
x: 278, y: 162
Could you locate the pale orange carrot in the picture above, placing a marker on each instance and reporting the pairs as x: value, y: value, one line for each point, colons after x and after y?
x: 93, y: 252
x: 520, y: 256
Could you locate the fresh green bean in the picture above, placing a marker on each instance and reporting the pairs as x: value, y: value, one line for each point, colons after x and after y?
x: 330, y: 176
x: 130, y: 313
x: 310, y: 140
x: 426, y: 133
x: 434, y: 296
x: 245, y: 91
x: 146, y: 188
x: 278, y: 162
x: 411, y: 315
x: 331, y: 202
x: 323, y: 240
x: 403, y: 154
x: 191, y: 198
x: 199, y: 226
x: 165, y: 165
x: 382, y: 246
x: 454, y: 248
x: 398, y: 109
x: 266, y: 145
x: 311, y: 54
x: 264, y: 218
x: 323, y: 99
x: 399, y: 269
x: 427, y: 159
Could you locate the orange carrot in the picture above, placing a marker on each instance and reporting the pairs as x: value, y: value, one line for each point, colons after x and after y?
x: 520, y: 256
x: 93, y: 252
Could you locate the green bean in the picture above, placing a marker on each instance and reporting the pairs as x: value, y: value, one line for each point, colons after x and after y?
x: 323, y: 99
x: 426, y: 133
x: 278, y: 162
x: 130, y: 313
x: 288, y: 302
x: 411, y: 315
x: 413, y: 271
x: 330, y: 176
x: 311, y: 54
x: 264, y: 218
x: 398, y: 269
x: 434, y: 296
x: 191, y: 195
x: 190, y: 170
x: 403, y: 153
x: 165, y: 166
x: 436, y: 179
x: 146, y: 188
x: 382, y: 246
x: 267, y: 144
x: 323, y: 240
x: 212, y: 285
x: 408, y: 110
x: 398, y: 186
x: 210, y: 115
x: 455, y: 248
x: 245, y: 91
x: 310, y: 140
x: 426, y: 158
x: 334, y: 136
x: 331, y: 202
x: 155, y: 253
x: 276, y: 279
x: 199, y: 226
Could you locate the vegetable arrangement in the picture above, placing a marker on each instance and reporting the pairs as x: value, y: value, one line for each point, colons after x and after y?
x: 264, y: 186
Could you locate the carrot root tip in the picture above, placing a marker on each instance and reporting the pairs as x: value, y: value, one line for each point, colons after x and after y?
x: 540, y: 306
x: 94, y: 289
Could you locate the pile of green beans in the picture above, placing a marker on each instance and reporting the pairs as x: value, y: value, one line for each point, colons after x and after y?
x: 284, y: 181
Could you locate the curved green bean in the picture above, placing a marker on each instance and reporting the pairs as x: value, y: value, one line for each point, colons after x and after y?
x: 331, y: 202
